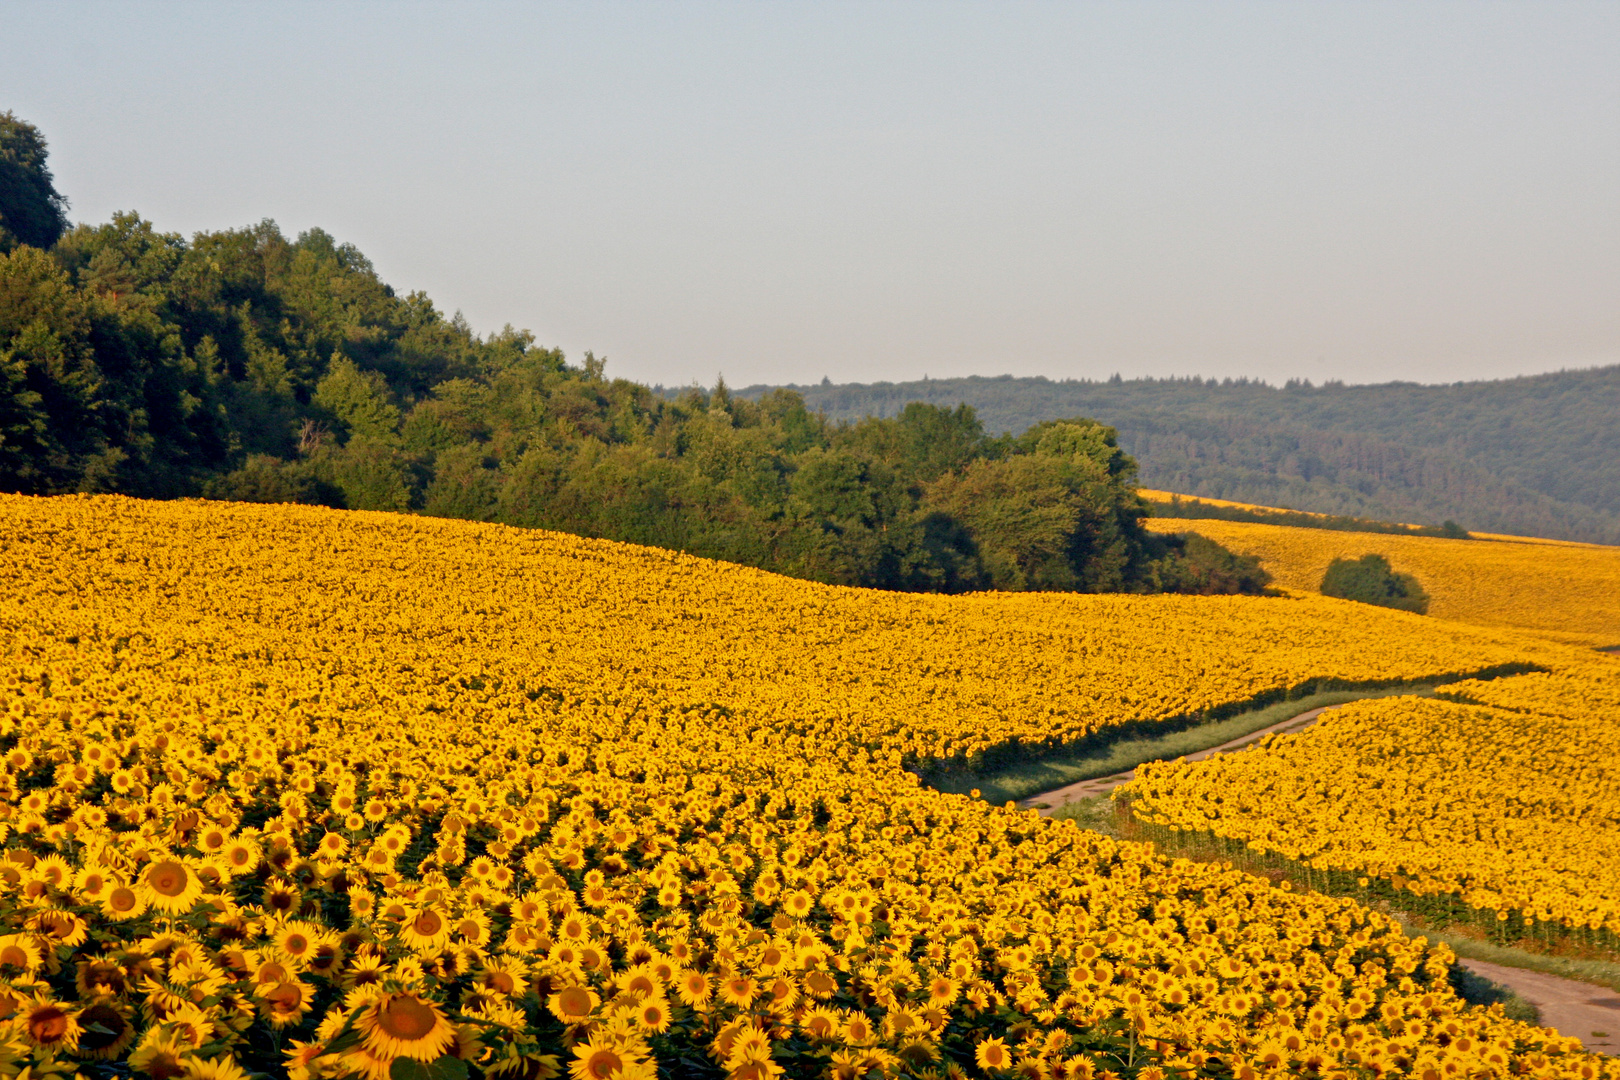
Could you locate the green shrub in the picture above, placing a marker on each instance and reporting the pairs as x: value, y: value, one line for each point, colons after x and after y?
x: 1371, y: 580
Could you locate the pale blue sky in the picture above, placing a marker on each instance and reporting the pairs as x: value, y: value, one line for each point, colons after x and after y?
x: 779, y: 192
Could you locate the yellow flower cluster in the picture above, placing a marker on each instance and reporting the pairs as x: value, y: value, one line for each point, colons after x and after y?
x: 326, y: 795
x: 1564, y: 590
x: 1504, y: 794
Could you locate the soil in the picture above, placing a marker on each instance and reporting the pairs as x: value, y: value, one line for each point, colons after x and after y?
x: 1048, y: 801
x: 1587, y: 1012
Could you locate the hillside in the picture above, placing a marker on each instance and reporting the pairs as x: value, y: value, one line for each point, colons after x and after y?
x: 1564, y: 589
x: 372, y: 795
x: 1538, y: 455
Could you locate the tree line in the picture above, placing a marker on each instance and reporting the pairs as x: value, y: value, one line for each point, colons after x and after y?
x: 1538, y: 454
x: 244, y: 364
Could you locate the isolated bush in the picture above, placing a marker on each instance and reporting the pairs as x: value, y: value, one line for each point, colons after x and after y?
x: 1196, y: 564
x: 1371, y: 580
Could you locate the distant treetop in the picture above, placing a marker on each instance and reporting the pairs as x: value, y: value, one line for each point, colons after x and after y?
x: 32, y: 211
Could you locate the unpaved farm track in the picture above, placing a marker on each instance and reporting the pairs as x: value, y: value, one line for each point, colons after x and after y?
x: 1587, y: 1012
x: 1048, y: 801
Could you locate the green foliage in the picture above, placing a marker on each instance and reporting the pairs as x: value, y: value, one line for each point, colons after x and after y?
x: 1192, y: 563
x: 1178, y: 507
x: 31, y: 210
x: 246, y: 365
x: 1538, y: 455
x: 264, y: 479
x: 1370, y: 580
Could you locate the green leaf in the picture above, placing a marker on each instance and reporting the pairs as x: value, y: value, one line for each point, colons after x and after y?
x: 448, y: 1067
x: 405, y: 1068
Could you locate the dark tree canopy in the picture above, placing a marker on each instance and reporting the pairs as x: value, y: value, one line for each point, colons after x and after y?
x: 1371, y: 580
x: 248, y: 365
x: 31, y: 210
x: 1537, y: 455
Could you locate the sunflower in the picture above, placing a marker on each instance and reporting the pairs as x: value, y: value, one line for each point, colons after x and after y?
x: 425, y: 930
x: 57, y: 928
x: 48, y: 1025
x: 104, y: 1032
x: 91, y: 882
x: 820, y: 1023
x: 122, y: 902
x: 857, y: 1030
x: 365, y: 971
x: 285, y: 1002
x: 242, y: 856
x: 473, y: 928
x: 652, y: 1014
x: 992, y: 1055
x: 505, y: 978
x: 798, y: 904
x: 572, y: 1004
x: 640, y: 981
x: 18, y: 954
x: 159, y: 1056
x: 602, y: 1058
x: 738, y: 990
x: 281, y: 898
x: 404, y: 1025
x: 224, y: 1067
x: 298, y: 940
x: 99, y: 977
x: 55, y: 872
x: 170, y: 886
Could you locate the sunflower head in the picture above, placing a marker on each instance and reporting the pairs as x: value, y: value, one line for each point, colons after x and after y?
x: 406, y: 1025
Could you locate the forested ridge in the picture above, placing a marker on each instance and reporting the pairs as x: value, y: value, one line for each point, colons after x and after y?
x: 247, y: 365
x: 1537, y: 455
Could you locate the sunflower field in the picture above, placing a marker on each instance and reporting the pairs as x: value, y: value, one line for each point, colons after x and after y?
x: 316, y: 794
x: 1565, y: 590
x: 1500, y: 797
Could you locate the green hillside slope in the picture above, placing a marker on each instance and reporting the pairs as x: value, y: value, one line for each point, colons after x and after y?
x: 1538, y: 454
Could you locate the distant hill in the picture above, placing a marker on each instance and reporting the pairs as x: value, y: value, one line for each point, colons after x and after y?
x: 1537, y: 455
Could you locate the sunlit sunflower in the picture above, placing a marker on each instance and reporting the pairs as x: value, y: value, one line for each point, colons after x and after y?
x: 404, y: 1025
x: 18, y: 956
x: 602, y: 1058
x: 298, y: 940
x: 738, y: 990
x: 572, y: 1004
x: 170, y: 886
x: 425, y: 930
x: 821, y: 1023
x: 242, y: 856
x: 993, y: 1055
x: 652, y: 1014
x: 122, y: 902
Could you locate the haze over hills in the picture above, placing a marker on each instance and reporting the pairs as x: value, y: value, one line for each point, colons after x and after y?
x: 1536, y: 455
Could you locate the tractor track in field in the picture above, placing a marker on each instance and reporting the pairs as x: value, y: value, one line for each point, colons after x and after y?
x: 1589, y: 1012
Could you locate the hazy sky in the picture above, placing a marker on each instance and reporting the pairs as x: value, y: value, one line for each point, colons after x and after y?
x: 878, y: 191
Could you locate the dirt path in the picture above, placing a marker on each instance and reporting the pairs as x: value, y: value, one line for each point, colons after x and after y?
x: 1048, y: 801
x: 1589, y: 1013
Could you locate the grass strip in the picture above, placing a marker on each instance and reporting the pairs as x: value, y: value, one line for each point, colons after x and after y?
x: 1052, y: 771
x: 1465, y: 936
x: 1600, y: 972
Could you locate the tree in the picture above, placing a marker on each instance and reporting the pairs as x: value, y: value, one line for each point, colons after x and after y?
x: 1371, y: 580
x: 32, y: 212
